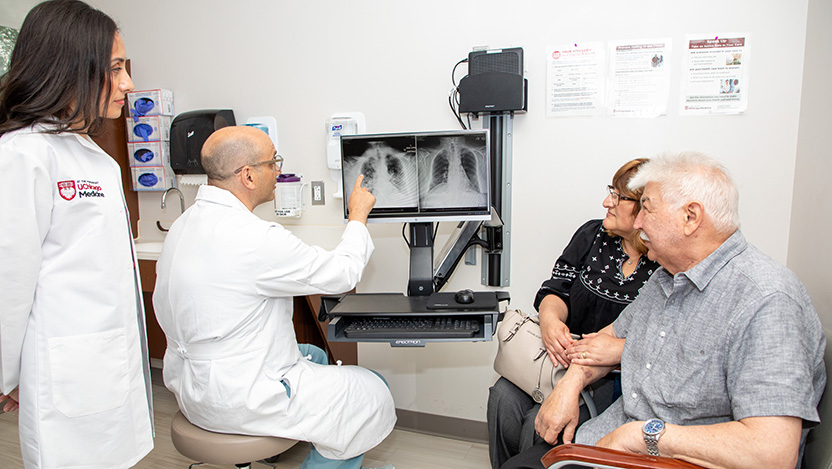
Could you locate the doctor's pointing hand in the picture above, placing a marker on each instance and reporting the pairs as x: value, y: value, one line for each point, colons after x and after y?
x: 361, y: 201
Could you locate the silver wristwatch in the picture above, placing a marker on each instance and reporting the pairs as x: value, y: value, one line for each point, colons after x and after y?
x: 652, y: 430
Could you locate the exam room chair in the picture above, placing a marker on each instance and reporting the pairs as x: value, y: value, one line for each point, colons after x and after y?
x: 817, y: 452
x: 208, y: 447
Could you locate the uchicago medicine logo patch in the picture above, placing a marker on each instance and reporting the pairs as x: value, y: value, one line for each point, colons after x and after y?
x: 67, y: 189
x: 81, y: 188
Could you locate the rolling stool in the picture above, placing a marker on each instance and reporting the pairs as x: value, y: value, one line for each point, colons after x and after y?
x: 223, y: 448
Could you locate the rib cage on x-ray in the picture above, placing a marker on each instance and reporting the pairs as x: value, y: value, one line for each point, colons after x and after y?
x: 454, y: 174
x: 432, y: 172
x: 389, y: 173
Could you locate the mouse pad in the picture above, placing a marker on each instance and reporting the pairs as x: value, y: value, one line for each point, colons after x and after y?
x: 445, y: 300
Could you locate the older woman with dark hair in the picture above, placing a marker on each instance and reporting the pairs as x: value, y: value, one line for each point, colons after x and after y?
x: 72, y: 345
x: 598, y: 274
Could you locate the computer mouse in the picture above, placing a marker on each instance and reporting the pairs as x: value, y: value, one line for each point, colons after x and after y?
x: 464, y: 296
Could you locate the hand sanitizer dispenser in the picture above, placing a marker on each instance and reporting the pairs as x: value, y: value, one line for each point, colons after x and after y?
x: 267, y: 124
x: 343, y: 123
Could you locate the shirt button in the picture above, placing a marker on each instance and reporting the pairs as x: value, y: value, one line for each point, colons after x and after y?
x: 634, y: 395
x: 649, y: 366
x: 662, y: 333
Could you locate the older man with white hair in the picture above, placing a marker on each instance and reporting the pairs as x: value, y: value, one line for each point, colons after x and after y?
x: 723, y: 362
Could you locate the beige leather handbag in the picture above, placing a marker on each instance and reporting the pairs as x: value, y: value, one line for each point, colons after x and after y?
x: 522, y: 359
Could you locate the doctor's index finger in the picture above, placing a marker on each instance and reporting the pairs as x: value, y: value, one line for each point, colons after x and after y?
x: 358, y: 181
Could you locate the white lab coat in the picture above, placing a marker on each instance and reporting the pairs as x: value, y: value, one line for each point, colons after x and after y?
x: 71, y: 319
x: 224, y: 287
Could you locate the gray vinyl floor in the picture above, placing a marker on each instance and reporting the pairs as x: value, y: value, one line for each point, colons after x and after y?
x: 403, y: 449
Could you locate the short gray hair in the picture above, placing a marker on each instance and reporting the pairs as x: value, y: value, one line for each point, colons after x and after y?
x: 688, y: 176
x: 223, y: 155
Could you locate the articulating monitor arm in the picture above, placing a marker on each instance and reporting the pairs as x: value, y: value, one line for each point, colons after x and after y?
x: 468, y: 236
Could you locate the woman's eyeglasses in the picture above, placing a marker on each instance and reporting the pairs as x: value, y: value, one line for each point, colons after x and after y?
x: 617, y: 197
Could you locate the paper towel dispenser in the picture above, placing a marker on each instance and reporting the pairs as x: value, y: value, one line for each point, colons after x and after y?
x: 188, y: 132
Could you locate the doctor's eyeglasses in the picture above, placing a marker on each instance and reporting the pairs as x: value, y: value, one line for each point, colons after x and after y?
x: 277, y: 160
x: 617, y: 197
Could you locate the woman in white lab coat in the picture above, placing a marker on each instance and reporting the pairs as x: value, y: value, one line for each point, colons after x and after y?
x: 72, y: 346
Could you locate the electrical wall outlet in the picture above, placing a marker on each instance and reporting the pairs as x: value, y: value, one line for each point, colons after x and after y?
x: 317, y: 192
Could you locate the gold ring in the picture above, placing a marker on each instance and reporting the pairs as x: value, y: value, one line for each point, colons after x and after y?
x: 583, y: 355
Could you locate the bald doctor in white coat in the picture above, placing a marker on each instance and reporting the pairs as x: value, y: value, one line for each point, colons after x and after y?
x: 224, y: 288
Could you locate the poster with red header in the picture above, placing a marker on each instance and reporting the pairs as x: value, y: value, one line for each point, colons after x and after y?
x: 715, y: 74
x: 574, y: 79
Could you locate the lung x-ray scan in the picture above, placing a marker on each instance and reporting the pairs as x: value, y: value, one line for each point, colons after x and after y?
x: 420, y: 173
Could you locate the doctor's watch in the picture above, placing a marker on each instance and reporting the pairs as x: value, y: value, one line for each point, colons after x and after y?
x: 652, y: 430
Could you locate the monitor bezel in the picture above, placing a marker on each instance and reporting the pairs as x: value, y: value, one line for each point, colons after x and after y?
x: 426, y: 217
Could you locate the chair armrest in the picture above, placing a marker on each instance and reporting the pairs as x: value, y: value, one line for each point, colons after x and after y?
x: 593, y: 456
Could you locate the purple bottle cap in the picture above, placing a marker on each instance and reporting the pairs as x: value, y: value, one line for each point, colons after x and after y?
x: 289, y: 177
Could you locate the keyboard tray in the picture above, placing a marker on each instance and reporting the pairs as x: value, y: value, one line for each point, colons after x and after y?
x: 413, y: 327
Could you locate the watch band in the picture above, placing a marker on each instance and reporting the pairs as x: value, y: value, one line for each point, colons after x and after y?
x: 652, y: 430
x: 652, y: 445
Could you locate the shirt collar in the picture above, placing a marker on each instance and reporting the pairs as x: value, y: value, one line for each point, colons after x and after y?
x: 702, y: 273
x: 214, y: 194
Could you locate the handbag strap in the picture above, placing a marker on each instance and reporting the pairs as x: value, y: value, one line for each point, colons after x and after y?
x: 518, y: 325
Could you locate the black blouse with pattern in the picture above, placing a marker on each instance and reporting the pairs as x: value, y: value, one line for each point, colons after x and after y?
x: 588, y: 278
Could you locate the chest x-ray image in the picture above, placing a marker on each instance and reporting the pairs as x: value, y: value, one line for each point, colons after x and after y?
x: 422, y: 173
x: 389, y: 169
x: 453, y: 171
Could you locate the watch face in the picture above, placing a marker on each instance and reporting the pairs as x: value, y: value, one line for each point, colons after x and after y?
x: 653, y: 427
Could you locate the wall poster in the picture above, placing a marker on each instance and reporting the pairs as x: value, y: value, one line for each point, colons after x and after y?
x: 639, y: 78
x: 574, y: 79
x: 715, y: 74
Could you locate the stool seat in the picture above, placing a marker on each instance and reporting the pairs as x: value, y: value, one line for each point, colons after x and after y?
x: 223, y: 448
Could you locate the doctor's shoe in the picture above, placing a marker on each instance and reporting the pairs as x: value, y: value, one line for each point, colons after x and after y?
x: 386, y: 466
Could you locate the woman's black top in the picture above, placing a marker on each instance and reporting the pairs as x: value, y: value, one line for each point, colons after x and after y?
x: 588, y: 278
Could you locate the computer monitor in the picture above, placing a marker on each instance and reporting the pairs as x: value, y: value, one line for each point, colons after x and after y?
x: 421, y: 176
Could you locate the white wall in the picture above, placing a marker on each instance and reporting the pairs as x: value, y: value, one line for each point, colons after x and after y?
x: 301, y: 61
x: 811, y: 221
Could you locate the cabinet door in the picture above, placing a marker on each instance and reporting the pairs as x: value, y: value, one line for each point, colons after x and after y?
x: 156, y: 342
x: 311, y: 331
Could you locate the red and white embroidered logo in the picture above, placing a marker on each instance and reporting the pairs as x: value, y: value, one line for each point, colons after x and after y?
x: 67, y: 189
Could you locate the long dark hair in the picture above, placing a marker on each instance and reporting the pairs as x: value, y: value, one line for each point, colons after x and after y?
x: 59, y: 70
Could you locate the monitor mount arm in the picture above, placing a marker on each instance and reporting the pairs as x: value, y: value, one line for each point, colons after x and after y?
x: 491, y: 242
x: 422, y: 280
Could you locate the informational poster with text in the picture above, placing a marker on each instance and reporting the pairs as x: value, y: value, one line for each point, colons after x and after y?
x: 715, y: 77
x: 574, y: 84
x: 639, y: 78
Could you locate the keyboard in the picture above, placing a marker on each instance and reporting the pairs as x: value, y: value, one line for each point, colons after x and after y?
x: 412, y: 327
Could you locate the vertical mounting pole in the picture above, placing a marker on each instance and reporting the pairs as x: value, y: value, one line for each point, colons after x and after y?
x: 501, y: 135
